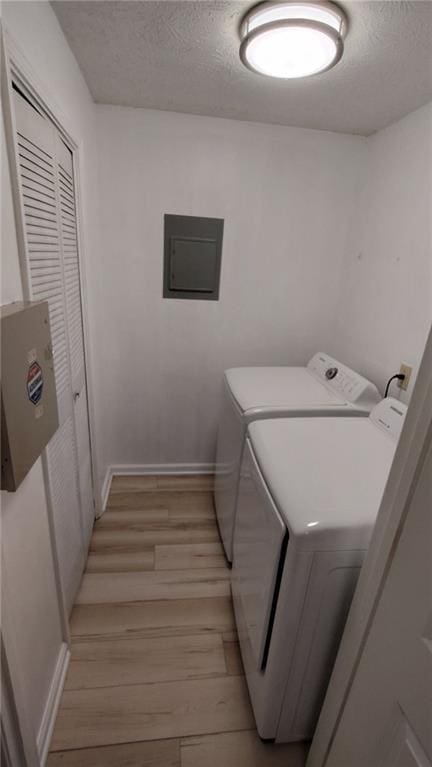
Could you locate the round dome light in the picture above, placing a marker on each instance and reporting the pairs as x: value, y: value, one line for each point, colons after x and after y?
x: 292, y: 39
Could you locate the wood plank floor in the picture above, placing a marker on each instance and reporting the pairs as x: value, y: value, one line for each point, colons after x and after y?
x: 155, y: 678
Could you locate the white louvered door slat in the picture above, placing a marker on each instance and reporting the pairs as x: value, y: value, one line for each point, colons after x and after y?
x: 37, y: 141
x: 71, y: 264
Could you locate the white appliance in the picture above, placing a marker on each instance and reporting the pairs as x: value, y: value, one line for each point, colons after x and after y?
x: 310, y: 489
x: 324, y: 387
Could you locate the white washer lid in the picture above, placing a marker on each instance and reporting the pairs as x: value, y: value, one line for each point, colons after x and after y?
x: 278, y: 387
x: 326, y: 476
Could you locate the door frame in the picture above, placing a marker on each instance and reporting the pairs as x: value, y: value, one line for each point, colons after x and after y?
x: 15, y: 67
x: 395, y: 506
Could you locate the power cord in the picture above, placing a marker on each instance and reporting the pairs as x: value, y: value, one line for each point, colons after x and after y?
x: 398, y: 376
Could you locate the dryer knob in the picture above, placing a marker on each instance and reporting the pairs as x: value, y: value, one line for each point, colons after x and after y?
x: 331, y: 373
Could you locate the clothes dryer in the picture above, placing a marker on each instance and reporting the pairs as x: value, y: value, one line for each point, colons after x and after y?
x: 310, y: 490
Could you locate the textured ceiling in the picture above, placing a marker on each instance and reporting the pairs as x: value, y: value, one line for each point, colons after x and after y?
x: 183, y: 56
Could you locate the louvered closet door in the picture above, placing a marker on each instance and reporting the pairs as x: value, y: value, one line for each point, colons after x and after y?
x: 39, y: 170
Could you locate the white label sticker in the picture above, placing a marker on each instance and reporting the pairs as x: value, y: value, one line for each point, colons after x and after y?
x: 39, y: 411
x: 31, y: 356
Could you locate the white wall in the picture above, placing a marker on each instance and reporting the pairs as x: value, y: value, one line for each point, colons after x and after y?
x: 287, y: 196
x: 385, y: 308
x: 27, y: 556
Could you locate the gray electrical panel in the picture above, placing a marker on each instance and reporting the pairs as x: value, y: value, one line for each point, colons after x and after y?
x: 29, y: 415
x: 192, y: 257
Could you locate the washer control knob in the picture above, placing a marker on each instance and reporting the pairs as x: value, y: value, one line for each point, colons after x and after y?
x: 331, y: 373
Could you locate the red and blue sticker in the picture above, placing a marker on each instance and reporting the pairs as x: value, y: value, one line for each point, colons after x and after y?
x: 34, y: 383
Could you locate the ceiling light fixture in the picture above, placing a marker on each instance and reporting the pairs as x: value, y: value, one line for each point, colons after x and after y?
x: 292, y: 39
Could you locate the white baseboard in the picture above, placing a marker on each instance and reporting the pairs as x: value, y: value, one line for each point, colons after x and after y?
x: 49, y: 715
x: 162, y: 468
x: 151, y: 468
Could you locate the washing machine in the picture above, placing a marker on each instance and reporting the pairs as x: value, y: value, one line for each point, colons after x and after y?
x: 309, y: 493
x: 324, y: 387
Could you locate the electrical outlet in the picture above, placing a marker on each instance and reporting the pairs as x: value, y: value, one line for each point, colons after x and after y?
x: 406, y: 370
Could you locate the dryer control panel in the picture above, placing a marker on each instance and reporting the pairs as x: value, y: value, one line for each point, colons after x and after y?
x: 389, y: 415
x: 343, y: 381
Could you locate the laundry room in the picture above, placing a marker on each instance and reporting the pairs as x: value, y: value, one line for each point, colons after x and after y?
x: 216, y: 306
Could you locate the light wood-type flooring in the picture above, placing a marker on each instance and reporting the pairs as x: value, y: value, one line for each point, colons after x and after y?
x: 155, y: 678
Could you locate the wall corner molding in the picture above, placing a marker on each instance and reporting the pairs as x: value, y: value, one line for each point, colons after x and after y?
x: 105, y: 491
x: 52, y: 704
